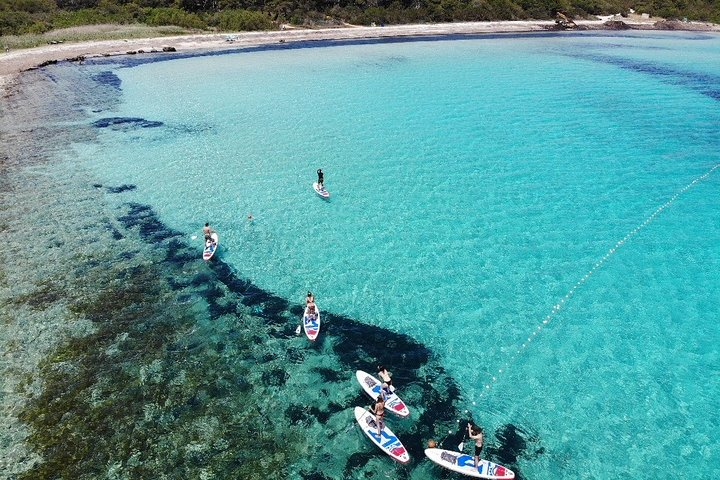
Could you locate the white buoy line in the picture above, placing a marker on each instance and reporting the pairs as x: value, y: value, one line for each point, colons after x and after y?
x: 598, y: 264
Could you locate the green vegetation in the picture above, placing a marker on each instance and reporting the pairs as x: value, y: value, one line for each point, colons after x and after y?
x: 90, y: 32
x: 18, y: 17
x: 146, y: 394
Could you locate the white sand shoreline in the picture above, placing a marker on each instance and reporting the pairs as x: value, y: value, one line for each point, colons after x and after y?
x: 14, y: 62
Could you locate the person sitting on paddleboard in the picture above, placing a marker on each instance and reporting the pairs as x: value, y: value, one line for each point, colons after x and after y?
x: 310, y: 304
x: 207, y: 231
x: 476, y: 433
x: 385, y: 376
x: 320, y: 178
x: 379, y: 410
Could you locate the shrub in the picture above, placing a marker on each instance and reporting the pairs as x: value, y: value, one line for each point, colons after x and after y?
x: 14, y: 23
x: 29, y: 6
x: 174, y: 16
x: 237, y: 20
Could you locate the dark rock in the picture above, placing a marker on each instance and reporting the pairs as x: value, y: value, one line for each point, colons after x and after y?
x: 122, y: 188
x: 119, y: 123
x: 169, y: 49
x: 616, y: 25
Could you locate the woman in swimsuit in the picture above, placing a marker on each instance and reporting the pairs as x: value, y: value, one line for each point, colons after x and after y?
x: 379, y: 411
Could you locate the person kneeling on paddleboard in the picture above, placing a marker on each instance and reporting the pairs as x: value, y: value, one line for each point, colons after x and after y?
x: 385, y: 376
x: 379, y: 410
x: 207, y: 231
x: 320, y: 178
x: 476, y: 433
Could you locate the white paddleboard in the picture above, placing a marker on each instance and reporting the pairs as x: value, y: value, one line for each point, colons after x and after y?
x: 321, y: 190
x: 462, y: 463
x: 311, y: 323
x: 386, y: 441
x: 372, y: 387
x: 208, y: 252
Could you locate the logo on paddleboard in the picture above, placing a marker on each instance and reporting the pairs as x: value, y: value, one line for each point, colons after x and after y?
x: 370, y: 382
x: 398, y: 451
x: 449, y: 457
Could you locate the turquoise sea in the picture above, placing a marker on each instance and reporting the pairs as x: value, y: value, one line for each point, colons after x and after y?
x: 525, y: 229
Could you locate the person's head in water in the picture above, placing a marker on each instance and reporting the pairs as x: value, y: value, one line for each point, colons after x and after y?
x: 207, y: 224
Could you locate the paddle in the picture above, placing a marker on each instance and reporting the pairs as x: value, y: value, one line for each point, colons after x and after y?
x: 461, y: 446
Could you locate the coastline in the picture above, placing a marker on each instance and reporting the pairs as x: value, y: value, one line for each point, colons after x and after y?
x: 14, y: 62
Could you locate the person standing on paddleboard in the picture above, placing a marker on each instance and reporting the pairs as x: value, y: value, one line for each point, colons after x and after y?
x: 476, y: 433
x: 379, y: 410
x: 320, y: 178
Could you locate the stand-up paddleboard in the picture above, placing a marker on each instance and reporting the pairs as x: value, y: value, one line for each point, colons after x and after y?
x: 311, y: 323
x: 372, y: 387
x: 461, y: 463
x: 386, y: 441
x: 321, y: 190
x: 210, y: 251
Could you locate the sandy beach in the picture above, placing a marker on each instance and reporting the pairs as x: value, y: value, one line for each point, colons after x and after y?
x: 14, y: 62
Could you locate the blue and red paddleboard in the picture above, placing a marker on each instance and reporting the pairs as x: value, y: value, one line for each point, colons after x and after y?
x: 321, y: 190
x: 311, y: 322
x: 210, y: 247
x: 372, y: 387
x: 465, y: 464
x: 386, y: 440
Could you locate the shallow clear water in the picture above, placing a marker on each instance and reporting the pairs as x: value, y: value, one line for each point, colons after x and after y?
x: 485, y: 192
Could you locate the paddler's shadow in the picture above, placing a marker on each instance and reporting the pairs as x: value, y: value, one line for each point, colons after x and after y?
x: 511, y: 443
